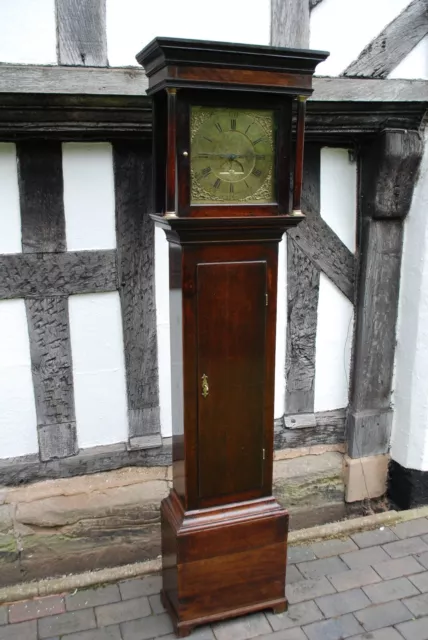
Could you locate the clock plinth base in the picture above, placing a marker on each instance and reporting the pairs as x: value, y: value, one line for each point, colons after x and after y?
x: 222, y: 562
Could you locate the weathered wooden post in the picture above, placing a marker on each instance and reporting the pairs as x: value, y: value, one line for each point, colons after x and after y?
x: 389, y: 170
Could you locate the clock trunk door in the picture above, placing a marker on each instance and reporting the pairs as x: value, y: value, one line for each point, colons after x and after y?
x: 231, y: 326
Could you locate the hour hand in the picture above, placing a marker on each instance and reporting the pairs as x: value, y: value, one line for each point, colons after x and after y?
x: 228, y: 156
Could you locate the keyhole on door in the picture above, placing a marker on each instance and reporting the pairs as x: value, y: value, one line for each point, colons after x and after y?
x: 205, y: 387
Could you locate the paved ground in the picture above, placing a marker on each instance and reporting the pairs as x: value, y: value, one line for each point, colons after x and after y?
x: 373, y: 585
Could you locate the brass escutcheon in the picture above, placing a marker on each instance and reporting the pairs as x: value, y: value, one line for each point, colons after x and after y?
x: 205, y: 387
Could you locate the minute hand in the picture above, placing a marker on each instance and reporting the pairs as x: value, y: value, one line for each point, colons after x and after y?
x: 232, y: 156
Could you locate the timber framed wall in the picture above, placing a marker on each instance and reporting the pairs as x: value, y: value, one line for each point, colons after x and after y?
x: 389, y: 160
x: 45, y: 274
x: 72, y: 98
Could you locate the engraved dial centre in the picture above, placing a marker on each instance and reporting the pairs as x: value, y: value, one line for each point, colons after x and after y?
x: 231, y: 155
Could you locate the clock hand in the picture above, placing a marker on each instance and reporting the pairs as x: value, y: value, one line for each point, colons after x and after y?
x: 228, y: 156
x: 232, y: 156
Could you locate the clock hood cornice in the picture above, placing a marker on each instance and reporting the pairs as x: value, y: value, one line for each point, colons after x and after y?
x: 226, y: 230
x: 174, y: 62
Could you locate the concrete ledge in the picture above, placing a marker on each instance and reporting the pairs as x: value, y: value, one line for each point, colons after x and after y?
x: 365, y: 478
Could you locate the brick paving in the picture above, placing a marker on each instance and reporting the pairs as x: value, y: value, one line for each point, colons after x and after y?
x: 371, y: 585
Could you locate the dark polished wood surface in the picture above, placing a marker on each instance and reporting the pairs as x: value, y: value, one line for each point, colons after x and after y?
x: 299, y: 155
x: 222, y: 562
x: 231, y: 357
x: 224, y: 537
x: 223, y: 534
x: 201, y: 64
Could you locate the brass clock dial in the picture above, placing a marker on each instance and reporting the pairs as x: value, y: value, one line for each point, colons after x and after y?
x: 232, y: 155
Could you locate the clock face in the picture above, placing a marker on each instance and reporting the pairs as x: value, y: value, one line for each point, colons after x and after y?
x: 232, y: 155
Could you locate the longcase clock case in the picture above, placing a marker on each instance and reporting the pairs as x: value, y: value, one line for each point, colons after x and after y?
x: 224, y: 536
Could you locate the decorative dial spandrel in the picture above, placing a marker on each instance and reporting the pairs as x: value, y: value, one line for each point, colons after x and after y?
x: 232, y: 156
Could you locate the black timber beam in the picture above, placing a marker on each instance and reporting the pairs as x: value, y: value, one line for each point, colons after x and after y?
x: 35, y: 275
x: 135, y: 235
x: 388, y: 174
x: 43, y: 233
x: 303, y: 278
x: 71, y: 117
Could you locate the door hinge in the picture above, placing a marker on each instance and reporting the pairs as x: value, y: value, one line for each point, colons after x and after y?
x: 264, y: 454
x: 267, y: 299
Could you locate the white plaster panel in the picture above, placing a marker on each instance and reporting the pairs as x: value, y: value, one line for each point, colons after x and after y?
x: 10, y: 215
x: 28, y: 31
x: 345, y: 27
x: 18, y: 422
x: 281, y: 330
x: 333, y: 347
x: 409, y: 442
x: 163, y: 330
x: 89, y: 195
x: 98, y: 369
x: 415, y: 64
x: 339, y: 194
x: 131, y: 24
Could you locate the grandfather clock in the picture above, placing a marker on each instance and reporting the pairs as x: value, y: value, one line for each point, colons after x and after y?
x: 222, y: 172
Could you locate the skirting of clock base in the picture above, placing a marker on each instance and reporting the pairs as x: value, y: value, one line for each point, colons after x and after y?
x: 222, y: 562
x: 184, y: 629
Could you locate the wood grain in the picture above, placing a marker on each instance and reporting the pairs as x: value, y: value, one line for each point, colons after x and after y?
x: 105, y: 117
x: 302, y: 302
x: 223, y: 563
x: 43, y: 237
x: 81, y: 81
x: 327, y: 252
x: 51, y: 369
x: 72, y: 80
x: 82, y: 32
x: 329, y: 428
x: 65, y: 117
x: 376, y: 315
x: 25, y: 469
x: 41, y: 196
x: 385, y: 198
x: 343, y: 123
x: 290, y: 23
x: 57, y: 441
x: 51, y: 359
x: 57, y: 274
x: 368, y: 90
x: 390, y: 172
x: 315, y: 238
x: 135, y: 248
x: 232, y: 354
x: 393, y: 44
